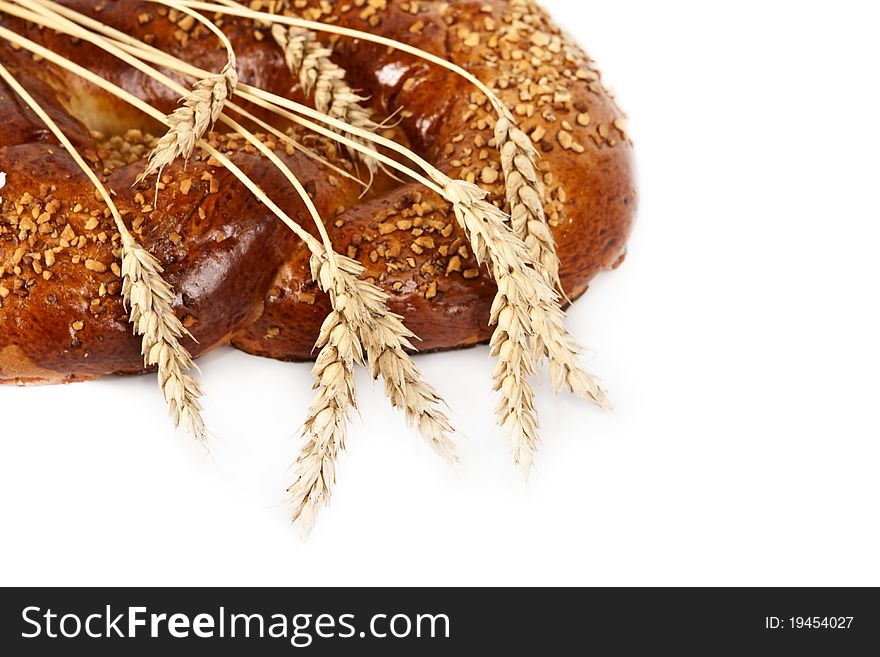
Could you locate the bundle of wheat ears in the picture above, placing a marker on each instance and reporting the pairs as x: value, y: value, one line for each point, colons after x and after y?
x: 511, y: 239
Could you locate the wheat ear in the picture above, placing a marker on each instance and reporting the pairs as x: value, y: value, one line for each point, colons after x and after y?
x: 386, y: 354
x: 527, y: 311
x: 519, y: 288
x: 199, y: 109
x: 189, y: 122
x: 525, y: 197
x: 148, y: 296
x: 385, y: 340
x: 497, y: 245
x: 310, y: 61
x: 382, y: 333
x: 326, y: 428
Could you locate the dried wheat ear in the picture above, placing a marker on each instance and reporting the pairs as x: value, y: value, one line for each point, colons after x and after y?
x: 517, y: 248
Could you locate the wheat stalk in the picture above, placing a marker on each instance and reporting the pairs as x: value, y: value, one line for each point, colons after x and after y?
x: 200, y: 107
x: 525, y: 197
x: 520, y: 287
x: 309, y: 60
x: 418, y: 395
x: 148, y: 296
x: 358, y: 323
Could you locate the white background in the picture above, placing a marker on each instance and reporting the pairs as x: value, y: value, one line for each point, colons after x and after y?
x: 739, y: 343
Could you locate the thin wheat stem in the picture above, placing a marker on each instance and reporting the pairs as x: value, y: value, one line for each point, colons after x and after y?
x: 287, y: 139
x: 70, y: 28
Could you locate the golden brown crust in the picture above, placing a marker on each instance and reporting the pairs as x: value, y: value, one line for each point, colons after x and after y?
x: 241, y: 277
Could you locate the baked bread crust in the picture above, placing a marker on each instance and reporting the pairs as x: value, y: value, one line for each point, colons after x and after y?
x: 240, y: 275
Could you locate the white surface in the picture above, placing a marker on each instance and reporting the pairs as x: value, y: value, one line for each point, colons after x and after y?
x: 739, y: 343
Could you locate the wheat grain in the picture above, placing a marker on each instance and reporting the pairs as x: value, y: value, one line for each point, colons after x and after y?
x: 525, y: 197
x: 386, y: 341
x: 311, y: 62
x: 510, y: 346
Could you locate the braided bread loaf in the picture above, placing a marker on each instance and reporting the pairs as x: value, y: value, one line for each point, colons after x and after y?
x: 241, y: 277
